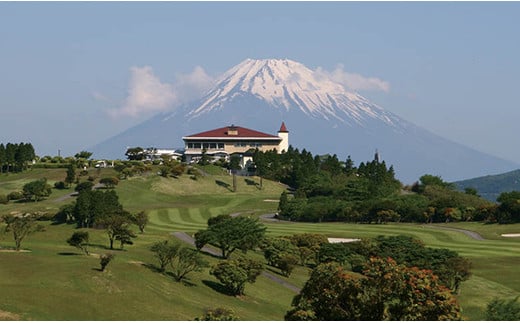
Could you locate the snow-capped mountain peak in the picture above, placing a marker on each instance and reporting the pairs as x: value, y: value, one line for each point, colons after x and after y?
x: 286, y: 84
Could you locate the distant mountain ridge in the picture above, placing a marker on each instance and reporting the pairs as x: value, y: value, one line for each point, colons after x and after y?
x: 490, y: 186
x: 321, y: 116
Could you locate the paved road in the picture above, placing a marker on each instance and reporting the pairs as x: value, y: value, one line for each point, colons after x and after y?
x: 471, y: 234
x: 188, y: 239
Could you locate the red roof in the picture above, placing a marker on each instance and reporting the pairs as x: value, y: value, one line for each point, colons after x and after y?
x: 241, y: 133
x: 283, y: 128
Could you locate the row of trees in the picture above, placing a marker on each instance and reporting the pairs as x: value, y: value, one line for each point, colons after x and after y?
x: 327, y: 189
x: 15, y: 157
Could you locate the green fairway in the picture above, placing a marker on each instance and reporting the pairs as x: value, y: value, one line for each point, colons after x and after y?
x: 55, y: 282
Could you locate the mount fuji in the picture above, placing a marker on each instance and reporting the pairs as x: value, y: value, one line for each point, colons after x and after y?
x: 321, y: 116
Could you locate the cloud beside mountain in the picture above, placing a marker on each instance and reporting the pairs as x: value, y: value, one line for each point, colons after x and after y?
x: 354, y: 81
x: 148, y: 94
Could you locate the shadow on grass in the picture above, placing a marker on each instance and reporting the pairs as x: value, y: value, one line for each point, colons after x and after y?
x: 70, y: 254
x: 274, y: 270
x: 217, y: 287
x: 251, y: 182
x: 224, y: 185
x: 101, y: 246
x: 153, y: 268
x: 211, y: 254
x: 97, y: 269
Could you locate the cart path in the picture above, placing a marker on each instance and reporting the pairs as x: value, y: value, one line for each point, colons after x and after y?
x: 471, y: 234
x: 189, y: 239
x: 74, y: 194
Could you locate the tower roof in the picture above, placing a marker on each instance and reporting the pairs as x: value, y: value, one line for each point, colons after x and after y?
x: 283, y: 128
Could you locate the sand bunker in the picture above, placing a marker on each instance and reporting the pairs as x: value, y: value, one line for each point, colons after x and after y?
x: 340, y: 240
x: 511, y: 235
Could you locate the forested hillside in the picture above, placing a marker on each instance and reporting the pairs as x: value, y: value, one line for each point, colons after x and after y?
x: 490, y: 187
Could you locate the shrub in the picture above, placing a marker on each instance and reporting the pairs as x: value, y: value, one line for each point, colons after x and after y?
x: 234, y: 274
x: 109, y: 182
x: 4, y: 199
x: 105, y: 259
x: 16, y: 195
x: 60, y: 185
x: 84, y: 186
x: 218, y: 314
x: 503, y: 310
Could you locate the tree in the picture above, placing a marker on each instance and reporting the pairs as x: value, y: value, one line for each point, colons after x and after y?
x: 141, y: 220
x: 164, y: 251
x: 80, y: 240
x: 509, y: 208
x: 503, y: 310
x: 233, y: 233
x: 21, y: 227
x: 204, y: 158
x: 286, y: 263
x: 282, y: 254
x: 71, y: 175
x: 93, y: 205
x: 105, y: 259
x: 109, y: 182
x: 116, y: 226
x: 135, y: 153
x: 124, y: 235
x: 84, y: 186
x: 234, y: 274
x: 83, y: 154
x: 386, y: 291
x: 186, y: 261
x: 36, y: 190
x: 3, y: 157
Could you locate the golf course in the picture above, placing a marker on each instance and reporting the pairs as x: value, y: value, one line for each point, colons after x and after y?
x: 51, y: 280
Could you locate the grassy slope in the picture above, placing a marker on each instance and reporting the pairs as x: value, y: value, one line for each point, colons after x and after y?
x: 51, y: 284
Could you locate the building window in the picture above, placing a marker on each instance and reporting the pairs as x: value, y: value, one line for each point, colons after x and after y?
x: 220, y: 145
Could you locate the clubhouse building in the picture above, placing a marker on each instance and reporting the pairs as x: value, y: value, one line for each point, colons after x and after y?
x: 224, y: 142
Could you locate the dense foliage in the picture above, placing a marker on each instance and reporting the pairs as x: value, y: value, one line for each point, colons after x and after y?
x: 15, y: 157
x: 503, y: 310
x: 327, y: 189
x: 231, y: 233
x: 385, y: 291
x: 234, y: 274
x: 92, y: 205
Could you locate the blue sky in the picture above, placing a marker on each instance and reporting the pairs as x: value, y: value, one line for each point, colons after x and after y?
x: 70, y: 72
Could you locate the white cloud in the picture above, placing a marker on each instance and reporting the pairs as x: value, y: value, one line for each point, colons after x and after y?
x: 146, y: 92
x: 354, y: 81
x: 193, y: 85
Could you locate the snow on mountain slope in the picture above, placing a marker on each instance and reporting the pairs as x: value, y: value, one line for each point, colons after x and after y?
x: 322, y: 117
x: 287, y: 84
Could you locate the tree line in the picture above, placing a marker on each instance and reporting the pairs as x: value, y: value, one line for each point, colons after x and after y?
x: 323, y: 188
x: 15, y: 157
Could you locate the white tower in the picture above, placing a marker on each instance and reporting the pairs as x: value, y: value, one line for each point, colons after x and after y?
x: 284, y: 134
